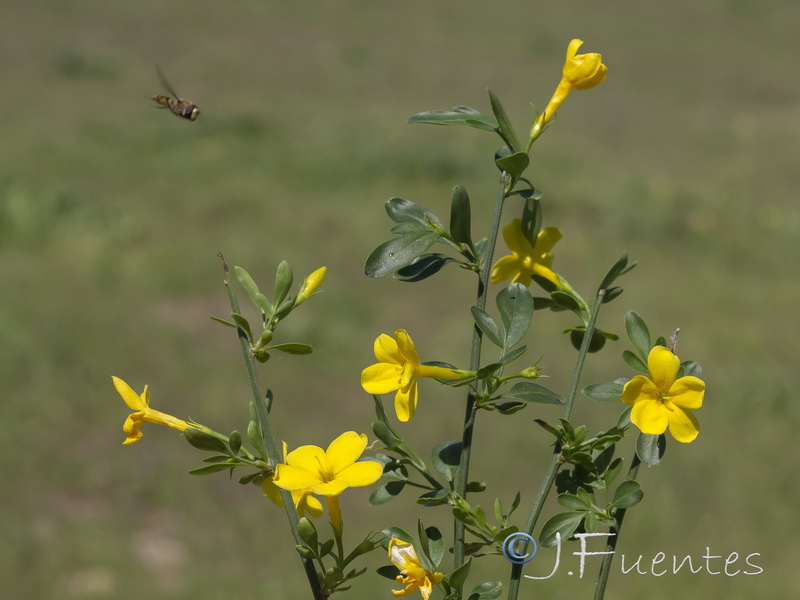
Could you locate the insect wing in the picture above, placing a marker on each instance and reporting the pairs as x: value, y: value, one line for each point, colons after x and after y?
x: 166, y: 83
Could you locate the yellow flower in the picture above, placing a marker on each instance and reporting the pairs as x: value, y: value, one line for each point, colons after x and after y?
x: 581, y: 72
x: 404, y: 557
x: 662, y: 400
x: 398, y: 369
x: 526, y: 260
x: 304, y: 502
x: 310, y: 285
x: 312, y: 470
x: 144, y: 414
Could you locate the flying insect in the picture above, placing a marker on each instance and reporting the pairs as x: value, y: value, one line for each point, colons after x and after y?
x: 185, y: 109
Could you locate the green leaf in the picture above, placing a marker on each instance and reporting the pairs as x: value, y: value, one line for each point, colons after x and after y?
x: 515, y: 305
x: 690, y: 367
x: 458, y: 115
x: 386, y: 492
x: 204, y: 441
x: 566, y: 301
x: 624, y: 418
x: 248, y: 284
x: 293, y: 348
x: 395, y: 532
x: 628, y: 493
x: 401, y: 210
x: 612, y: 471
x: 565, y: 523
x: 283, y: 282
x: 388, y: 571
x: 620, y: 268
x: 634, y: 362
x: 513, y: 164
x: 457, y: 578
x: 432, y: 544
x: 423, y: 267
x: 209, y: 469
x: 574, y: 502
x: 603, y: 392
x: 527, y: 391
x: 487, y: 325
x: 399, y: 252
x: 650, y: 448
x: 532, y: 220
x: 235, y: 441
x: 611, y: 294
x: 446, y: 458
x: 513, y: 355
x: 243, y: 324
x: 486, y: 591
x: 461, y: 216
x: 385, y: 434
x: 508, y: 408
x: 307, y: 532
x: 503, y: 122
x: 223, y: 322
x: 638, y: 333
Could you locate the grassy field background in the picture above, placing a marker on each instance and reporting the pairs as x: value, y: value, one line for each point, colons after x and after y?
x: 111, y: 215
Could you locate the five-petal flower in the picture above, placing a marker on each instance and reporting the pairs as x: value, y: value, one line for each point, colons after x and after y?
x: 404, y: 557
x: 398, y: 368
x: 664, y: 400
x: 144, y: 414
x: 526, y: 260
x: 304, y: 501
x: 328, y: 472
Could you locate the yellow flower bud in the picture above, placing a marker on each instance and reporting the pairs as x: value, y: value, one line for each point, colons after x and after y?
x: 310, y: 285
x: 581, y: 72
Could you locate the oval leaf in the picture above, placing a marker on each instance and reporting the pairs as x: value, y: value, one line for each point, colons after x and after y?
x: 528, y: 391
x: 399, y: 252
x: 422, y: 268
x: 603, y: 392
x: 515, y: 305
x: 446, y: 458
x: 564, y: 523
x: 487, y: 325
x: 638, y: 333
x: 629, y: 493
x: 458, y: 115
x: 461, y: 216
x: 650, y: 448
x: 401, y: 210
x: 486, y: 591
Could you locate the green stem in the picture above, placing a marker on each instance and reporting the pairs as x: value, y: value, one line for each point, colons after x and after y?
x: 267, y: 438
x: 611, y: 546
x: 475, y: 361
x: 552, y: 470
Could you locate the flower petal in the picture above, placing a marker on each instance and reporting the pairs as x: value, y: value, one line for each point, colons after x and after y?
x: 683, y: 424
x: 131, y: 398
x: 663, y: 366
x: 650, y: 416
x: 639, y: 387
x: 360, y: 474
x: 132, y: 427
x: 406, y: 346
x: 516, y: 240
x: 272, y: 491
x: 687, y: 392
x: 330, y: 488
x: 405, y: 403
x: 386, y: 350
x: 381, y: 378
x: 306, y: 503
x: 506, y: 268
x: 542, y: 271
x: 402, y: 554
x: 344, y: 451
x: 309, y: 457
x: 547, y: 238
x: 292, y: 478
x: 572, y: 49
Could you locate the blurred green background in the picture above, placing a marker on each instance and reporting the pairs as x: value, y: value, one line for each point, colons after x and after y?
x: 111, y: 215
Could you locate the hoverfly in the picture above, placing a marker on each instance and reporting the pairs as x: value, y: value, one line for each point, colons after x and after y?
x: 179, y: 107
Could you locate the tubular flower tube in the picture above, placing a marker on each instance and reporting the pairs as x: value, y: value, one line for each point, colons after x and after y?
x: 581, y: 72
x: 404, y: 557
x: 312, y: 470
x: 144, y: 414
x: 310, y: 285
x: 398, y: 368
x: 304, y: 502
x: 526, y: 260
x: 662, y: 400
